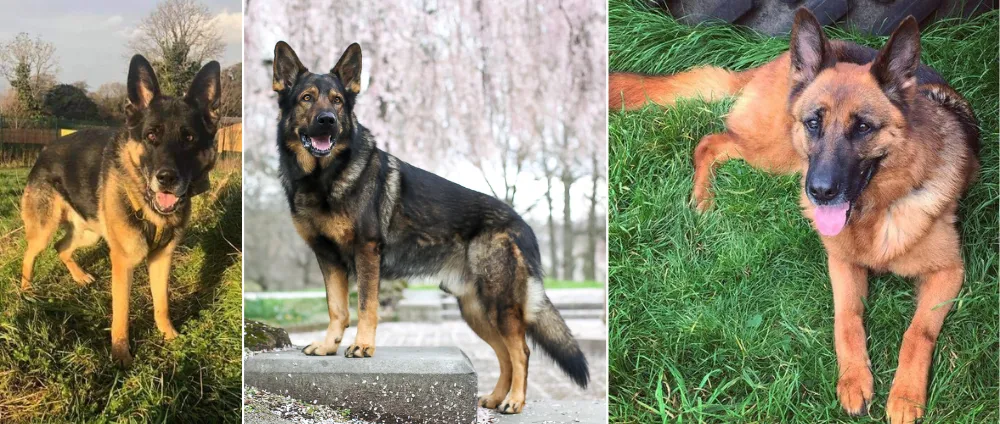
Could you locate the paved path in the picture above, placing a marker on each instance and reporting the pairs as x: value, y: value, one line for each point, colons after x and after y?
x: 556, y: 295
x: 545, y: 380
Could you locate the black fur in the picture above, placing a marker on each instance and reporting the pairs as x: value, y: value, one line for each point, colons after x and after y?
x: 421, y: 223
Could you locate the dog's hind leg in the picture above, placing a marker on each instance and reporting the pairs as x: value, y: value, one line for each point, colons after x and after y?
x: 77, y: 236
x: 512, y: 329
x: 498, y: 268
x: 41, y: 213
x: 475, y: 316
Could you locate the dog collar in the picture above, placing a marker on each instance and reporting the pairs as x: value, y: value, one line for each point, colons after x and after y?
x: 137, y: 209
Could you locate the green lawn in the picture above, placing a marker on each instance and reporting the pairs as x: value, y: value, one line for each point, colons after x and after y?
x: 727, y: 316
x: 55, y: 361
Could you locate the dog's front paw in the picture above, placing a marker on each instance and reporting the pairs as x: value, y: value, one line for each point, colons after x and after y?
x: 360, y: 351
x: 701, y: 201
x: 121, y: 356
x: 489, y: 401
x: 855, y: 389
x: 83, y: 279
x: 906, y: 402
x: 170, y: 333
x: 511, y: 405
x: 321, y: 348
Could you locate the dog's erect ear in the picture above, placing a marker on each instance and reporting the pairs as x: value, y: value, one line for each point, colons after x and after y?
x: 895, y: 67
x: 142, y: 84
x: 287, y: 67
x: 810, y: 50
x: 348, y: 68
x: 205, y: 92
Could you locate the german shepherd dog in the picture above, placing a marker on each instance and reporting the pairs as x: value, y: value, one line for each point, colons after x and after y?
x: 886, y: 149
x: 132, y: 188
x: 369, y: 216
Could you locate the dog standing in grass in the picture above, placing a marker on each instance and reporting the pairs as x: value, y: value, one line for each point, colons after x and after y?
x: 886, y: 149
x: 133, y: 188
x: 369, y: 216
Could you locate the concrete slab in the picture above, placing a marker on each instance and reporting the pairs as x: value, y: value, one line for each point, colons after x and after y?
x: 399, y: 384
x: 419, y: 306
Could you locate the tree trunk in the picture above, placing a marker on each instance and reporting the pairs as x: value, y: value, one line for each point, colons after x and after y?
x: 553, y: 241
x: 589, y: 268
x: 569, y: 261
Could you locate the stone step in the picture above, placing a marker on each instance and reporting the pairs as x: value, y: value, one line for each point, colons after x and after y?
x: 398, y: 384
x: 420, y: 306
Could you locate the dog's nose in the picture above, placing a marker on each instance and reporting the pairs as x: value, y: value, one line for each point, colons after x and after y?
x: 823, y: 189
x: 326, y: 118
x: 166, y: 177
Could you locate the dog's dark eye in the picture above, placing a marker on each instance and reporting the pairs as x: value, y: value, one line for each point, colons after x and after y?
x: 151, y: 136
x: 864, y: 128
x: 337, y: 100
x: 189, y: 137
x: 812, y: 124
x: 307, y: 98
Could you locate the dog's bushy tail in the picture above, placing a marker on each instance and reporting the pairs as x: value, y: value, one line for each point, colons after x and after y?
x: 545, y: 326
x: 630, y: 91
x: 548, y: 330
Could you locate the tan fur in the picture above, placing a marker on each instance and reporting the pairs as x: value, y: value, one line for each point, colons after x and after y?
x: 904, y: 221
x: 335, y: 279
x: 43, y: 211
x: 367, y: 263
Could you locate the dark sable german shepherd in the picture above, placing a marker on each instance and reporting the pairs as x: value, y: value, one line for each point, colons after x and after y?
x: 887, y: 149
x: 369, y: 216
x: 132, y: 188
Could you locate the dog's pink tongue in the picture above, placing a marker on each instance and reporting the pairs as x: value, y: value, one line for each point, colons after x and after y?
x: 831, y: 219
x: 321, y: 143
x: 165, y: 200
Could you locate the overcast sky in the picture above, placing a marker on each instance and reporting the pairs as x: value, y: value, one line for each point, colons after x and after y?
x: 90, y: 36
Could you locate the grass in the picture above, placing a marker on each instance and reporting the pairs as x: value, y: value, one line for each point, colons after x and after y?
x: 727, y: 316
x: 55, y: 360
x: 292, y: 312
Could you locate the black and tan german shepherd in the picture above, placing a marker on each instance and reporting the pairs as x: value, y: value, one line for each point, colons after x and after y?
x: 886, y: 149
x: 369, y: 216
x: 133, y: 188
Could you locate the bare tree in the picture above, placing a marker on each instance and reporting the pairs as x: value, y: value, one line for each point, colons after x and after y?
x: 502, y: 97
x: 12, y: 109
x: 232, y: 91
x: 593, y: 227
x: 35, y: 55
x: 110, y: 98
x: 178, y: 22
x: 38, y: 54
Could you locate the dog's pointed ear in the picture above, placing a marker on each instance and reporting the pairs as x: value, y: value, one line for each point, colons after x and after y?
x: 287, y: 67
x: 895, y: 66
x: 142, y: 84
x: 348, y: 68
x: 810, y: 51
x: 206, y: 91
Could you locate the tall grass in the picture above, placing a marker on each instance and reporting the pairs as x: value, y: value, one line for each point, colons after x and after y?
x: 55, y: 361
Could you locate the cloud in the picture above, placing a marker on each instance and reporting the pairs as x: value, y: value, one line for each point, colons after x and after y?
x: 113, y: 21
x: 230, y: 25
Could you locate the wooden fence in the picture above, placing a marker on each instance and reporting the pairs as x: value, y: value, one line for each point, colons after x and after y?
x: 20, y: 146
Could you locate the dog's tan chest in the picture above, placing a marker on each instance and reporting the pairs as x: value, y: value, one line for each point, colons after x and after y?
x: 311, y: 223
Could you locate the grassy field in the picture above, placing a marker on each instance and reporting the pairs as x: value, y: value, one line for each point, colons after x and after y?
x: 727, y: 316
x: 55, y: 360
